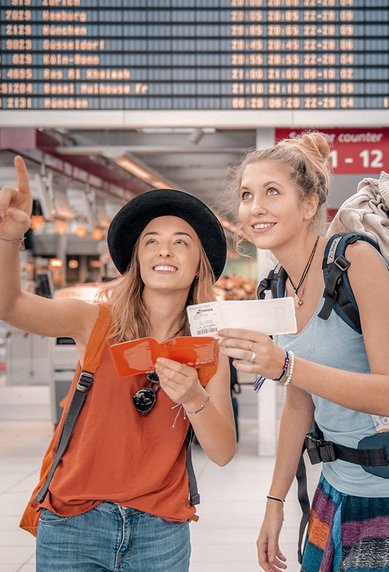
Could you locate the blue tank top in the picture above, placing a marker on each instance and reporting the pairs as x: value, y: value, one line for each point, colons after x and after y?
x: 333, y: 343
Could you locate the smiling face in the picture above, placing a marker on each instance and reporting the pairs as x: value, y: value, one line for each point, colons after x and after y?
x: 168, y: 254
x: 270, y: 209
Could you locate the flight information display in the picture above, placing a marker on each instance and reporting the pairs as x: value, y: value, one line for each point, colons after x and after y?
x: 194, y: 55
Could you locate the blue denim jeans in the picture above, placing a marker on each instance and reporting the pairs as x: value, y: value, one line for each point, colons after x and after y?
x: 111, y: 538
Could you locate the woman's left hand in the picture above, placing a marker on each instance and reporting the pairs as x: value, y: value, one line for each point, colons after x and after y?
x: 252, y: 352
x: 179, y: 381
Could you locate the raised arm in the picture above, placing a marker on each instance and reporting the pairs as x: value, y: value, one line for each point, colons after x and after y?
x: 72, y: 318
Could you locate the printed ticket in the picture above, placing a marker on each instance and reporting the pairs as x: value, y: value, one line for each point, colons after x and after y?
x: 271, y: 317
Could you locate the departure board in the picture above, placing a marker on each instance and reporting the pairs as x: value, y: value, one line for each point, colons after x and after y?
x: 194, y: 55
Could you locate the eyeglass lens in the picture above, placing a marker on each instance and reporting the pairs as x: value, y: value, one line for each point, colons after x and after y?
x: 145, y: 398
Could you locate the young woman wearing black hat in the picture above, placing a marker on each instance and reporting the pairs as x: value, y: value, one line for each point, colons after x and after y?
x: 334, y: 375
x: 119, y: 497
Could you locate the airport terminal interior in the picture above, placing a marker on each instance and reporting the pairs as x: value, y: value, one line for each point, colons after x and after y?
x: 107, y: 100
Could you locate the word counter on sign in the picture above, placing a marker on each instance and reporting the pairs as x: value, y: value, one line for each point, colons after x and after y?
x: 269, y: 317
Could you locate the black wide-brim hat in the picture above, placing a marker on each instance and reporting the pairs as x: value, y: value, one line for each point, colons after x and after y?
x: 133, y: 217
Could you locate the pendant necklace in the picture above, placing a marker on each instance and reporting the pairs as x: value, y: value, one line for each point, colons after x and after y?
x: 298, y: 293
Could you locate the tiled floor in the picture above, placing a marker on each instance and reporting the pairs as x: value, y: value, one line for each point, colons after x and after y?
x: 230, y: 512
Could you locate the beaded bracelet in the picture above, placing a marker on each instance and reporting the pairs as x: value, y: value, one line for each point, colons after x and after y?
x: 289, y: 374
x: 279, y: 499
x: 203, y: 406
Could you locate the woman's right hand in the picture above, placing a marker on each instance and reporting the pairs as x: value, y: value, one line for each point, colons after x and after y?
x: 16, y: 204
x: 270, y: 557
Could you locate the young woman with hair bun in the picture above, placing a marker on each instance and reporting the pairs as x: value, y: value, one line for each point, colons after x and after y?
x: 335, y: 376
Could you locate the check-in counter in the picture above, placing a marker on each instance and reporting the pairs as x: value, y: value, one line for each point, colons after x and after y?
x: 26, y: 357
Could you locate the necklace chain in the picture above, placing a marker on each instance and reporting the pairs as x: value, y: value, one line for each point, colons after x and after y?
x: 174, y: 335
x: 304, y: 274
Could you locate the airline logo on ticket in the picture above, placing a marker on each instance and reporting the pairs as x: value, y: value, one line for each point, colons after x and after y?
x: 204, y: 319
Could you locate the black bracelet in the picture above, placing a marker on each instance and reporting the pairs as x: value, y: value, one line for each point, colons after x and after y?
x: 284, y: 367
x: 279, y: 499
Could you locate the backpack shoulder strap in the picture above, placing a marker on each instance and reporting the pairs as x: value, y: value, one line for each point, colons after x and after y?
x: 274, y: 282
x: 92, y: 359
x: 303, y: 498
x: 97, y: 339
x: 194, y: 496
x: 338, y: 294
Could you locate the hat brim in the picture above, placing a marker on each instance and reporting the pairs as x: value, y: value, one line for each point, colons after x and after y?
x: 132, y: 218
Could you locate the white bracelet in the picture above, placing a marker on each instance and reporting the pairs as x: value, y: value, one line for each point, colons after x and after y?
x: 203, y: 406
x: 289, y: 374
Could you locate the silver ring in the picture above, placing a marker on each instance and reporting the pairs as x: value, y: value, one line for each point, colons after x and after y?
x: 252, y: 359
x: 251, y: 345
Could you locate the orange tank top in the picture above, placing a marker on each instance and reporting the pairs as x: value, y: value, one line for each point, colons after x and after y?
x: 117, y: 455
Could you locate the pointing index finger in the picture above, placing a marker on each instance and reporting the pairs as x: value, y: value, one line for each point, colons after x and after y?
x: 23, y: 180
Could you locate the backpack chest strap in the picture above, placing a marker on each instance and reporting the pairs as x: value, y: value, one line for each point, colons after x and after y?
x: 321, y: 451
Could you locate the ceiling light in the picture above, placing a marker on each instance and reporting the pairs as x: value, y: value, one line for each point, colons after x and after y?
x: 60, y: 227
x: 160, y: 184
x: 97, y: 233
x: 96, y: 264
x: 133, y: 168
x: 37, y: 218
x: 142, y: 172
x: 55, y: 263
x: 81, y: 231
x: 37, y: 221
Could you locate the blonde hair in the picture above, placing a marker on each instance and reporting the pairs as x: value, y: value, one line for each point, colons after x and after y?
x: 129, y: 315
x: 307, y: 157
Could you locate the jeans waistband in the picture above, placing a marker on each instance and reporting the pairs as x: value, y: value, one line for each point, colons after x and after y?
x: 117, y: 507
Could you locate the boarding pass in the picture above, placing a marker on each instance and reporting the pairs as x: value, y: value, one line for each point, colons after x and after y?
x: 273, y: 316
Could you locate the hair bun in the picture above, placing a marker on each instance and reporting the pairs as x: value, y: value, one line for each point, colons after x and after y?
x: 315, y: 144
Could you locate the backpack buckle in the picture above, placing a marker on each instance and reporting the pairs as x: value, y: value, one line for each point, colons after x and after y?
x: 319, y: 451
x: 342, y: 263
x: 85, y: 381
